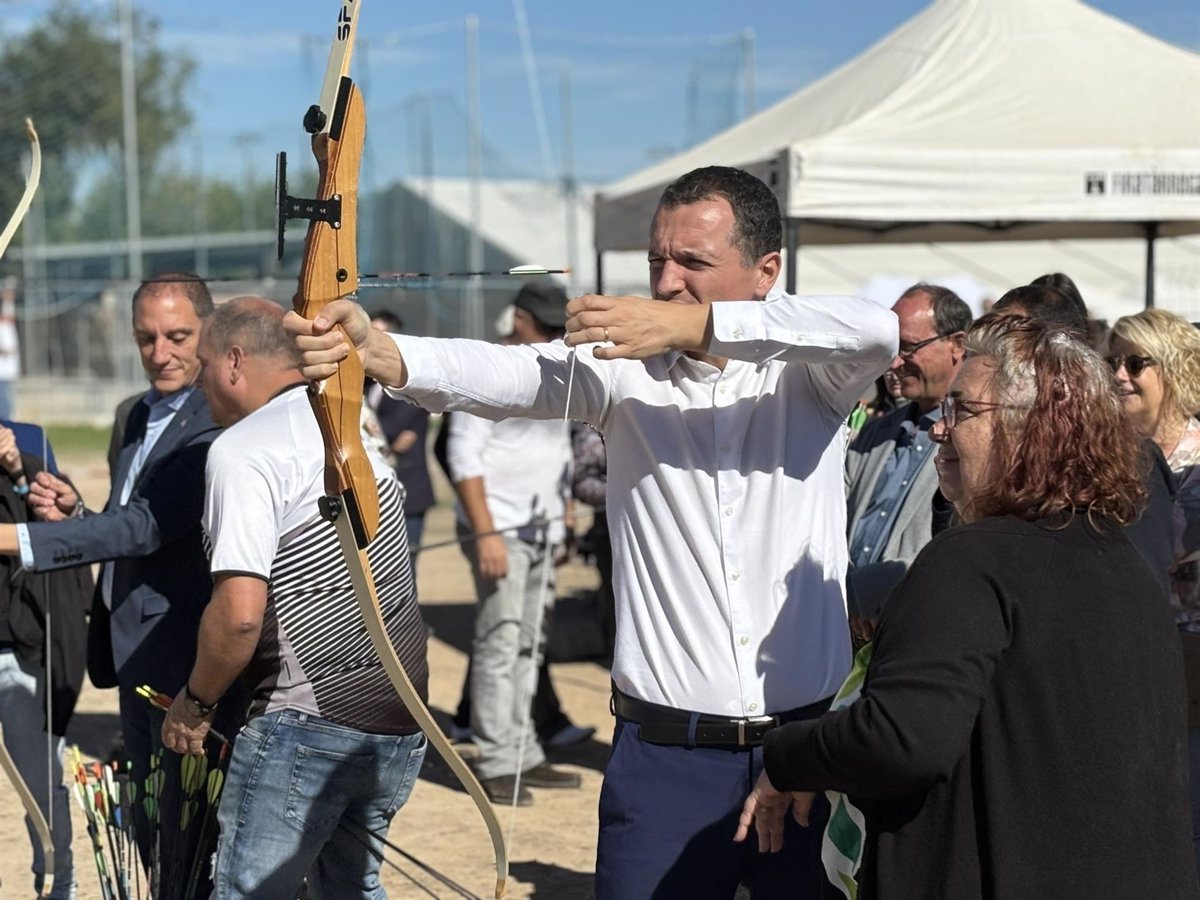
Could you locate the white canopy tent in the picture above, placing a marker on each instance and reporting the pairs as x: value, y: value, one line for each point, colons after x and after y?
x: 977, y: 120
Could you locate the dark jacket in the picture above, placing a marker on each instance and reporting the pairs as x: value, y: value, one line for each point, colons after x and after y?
x: 66, y: 593
x: 161, y: 581
x: 412, y: 466
x: 1021, y: 732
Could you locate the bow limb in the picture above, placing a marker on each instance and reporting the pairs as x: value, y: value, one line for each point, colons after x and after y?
x: 40, y: 825
x: 31, y: 186
x: 368, y: 601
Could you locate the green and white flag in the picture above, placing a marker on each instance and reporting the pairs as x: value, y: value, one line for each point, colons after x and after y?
x: 842, y: 845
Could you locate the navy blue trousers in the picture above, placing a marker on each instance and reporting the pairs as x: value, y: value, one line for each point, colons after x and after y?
x: 667, y: 818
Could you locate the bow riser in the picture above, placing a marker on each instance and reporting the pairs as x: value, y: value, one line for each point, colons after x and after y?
x: 329, y: 272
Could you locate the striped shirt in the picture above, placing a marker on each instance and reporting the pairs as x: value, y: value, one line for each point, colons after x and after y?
x: 264, y: 477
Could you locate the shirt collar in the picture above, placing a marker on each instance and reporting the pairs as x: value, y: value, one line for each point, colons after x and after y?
x: 174, y: 400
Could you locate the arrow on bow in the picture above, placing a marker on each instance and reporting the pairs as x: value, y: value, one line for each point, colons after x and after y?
x: 330, y: 271
x: 40, y: 825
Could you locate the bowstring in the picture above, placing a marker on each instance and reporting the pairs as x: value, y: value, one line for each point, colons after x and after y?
x: 49, y: 649
x: 543, y: 596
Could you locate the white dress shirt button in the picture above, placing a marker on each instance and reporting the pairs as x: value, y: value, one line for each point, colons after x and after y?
x: 729, y: 511
x: 743, y: 640
x: 753, y: 707
x: 734, y: 576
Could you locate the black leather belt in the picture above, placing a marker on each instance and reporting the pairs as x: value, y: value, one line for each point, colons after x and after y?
x: 681, y: 728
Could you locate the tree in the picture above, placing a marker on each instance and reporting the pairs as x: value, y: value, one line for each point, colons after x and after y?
x: 65, y: 72
x: 176, y: 202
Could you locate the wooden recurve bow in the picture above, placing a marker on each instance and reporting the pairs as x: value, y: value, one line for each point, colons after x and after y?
x: 329, y: 271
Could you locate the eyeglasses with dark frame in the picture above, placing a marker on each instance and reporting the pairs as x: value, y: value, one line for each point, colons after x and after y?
x: 911, y: 350
x: 1134, y: 365
x: 956, y: 410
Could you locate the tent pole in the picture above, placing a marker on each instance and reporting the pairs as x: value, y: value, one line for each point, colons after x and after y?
x: 793, y: 253
x: 1151, y: 237
x: 599, y: 271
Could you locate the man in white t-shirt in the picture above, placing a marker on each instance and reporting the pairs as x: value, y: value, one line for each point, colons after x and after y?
x: 329, y: 749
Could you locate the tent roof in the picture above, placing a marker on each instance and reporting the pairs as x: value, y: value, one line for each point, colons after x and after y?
x: 976, y: 119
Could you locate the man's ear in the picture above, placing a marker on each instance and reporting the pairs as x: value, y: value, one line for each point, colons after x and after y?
x: 958, y: 345
x: 769, y: 267
x: 237, y: 364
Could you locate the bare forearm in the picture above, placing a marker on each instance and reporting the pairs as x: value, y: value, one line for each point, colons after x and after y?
x: 229, y: 632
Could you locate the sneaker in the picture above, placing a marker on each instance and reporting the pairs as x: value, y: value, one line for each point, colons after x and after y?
x: 568, y: 735
x: 500, y: 791
x: 546, y: 776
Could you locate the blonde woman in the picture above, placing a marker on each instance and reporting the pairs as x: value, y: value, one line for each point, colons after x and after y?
x: 1156, y: 358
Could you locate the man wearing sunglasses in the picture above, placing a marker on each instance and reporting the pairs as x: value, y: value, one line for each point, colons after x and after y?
x: 890, y: 478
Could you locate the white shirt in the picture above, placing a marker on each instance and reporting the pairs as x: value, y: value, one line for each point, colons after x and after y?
x: 524, y: 464
x: 264, y: 479
x: 725, y: 500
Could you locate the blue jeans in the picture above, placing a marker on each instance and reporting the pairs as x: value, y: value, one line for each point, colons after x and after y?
x: 22, y: 712
x: 293, y: 780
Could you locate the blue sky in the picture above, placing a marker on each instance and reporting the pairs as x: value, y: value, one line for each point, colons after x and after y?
x: 646, y: 78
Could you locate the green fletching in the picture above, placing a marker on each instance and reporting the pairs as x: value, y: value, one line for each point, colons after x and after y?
x: 216, y: 781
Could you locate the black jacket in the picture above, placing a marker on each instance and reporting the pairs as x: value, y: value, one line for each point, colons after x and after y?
x: 66, y: 593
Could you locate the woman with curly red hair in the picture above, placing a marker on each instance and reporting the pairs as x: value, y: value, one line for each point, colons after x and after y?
x: 1020, y: 732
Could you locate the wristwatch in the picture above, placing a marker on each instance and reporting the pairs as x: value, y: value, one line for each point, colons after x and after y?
x: 195, y: 705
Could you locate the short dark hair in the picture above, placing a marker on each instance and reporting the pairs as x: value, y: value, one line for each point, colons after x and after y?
x: 1065, y: 286
x: 950, y: 312
x: 190, y: 285
x: 253, y: 323
x: 1046, y: 304
x: 757, y: 226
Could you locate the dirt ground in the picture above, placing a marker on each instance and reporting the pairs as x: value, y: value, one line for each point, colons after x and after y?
x: 552, y: 844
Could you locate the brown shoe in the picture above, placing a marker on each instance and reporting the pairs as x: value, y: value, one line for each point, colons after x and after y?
x: 500, y: 790
x: 545, y: 775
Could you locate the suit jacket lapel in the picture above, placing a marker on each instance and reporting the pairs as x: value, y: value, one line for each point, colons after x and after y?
x: 135, y: 432
x: 176, y: 432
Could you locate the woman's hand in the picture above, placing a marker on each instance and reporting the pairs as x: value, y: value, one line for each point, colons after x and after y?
x: 10, y: 455
x: 765, y: 809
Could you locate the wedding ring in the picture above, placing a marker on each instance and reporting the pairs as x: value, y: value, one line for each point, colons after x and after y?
x: 606, y: 334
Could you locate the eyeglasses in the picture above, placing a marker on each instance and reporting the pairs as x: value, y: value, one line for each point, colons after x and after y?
x: 911, y: 350
x: 1134, y: 365
x: 956, y: 410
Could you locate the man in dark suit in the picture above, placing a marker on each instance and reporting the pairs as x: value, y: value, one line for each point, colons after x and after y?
x: 154, y: 583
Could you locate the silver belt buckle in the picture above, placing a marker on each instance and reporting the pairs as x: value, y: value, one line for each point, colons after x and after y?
x: 753, y: 720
